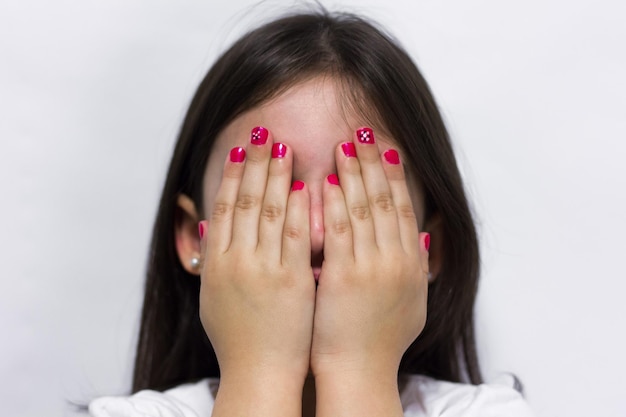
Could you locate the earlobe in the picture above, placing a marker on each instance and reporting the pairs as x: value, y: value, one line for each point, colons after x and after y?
x: 434, y: 226
x: 186, y: 236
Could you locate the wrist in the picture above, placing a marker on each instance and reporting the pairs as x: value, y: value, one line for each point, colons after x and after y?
x: 355, y: 366
x: 364, y: 392
x: 254, y: 376
x: 259, y: 393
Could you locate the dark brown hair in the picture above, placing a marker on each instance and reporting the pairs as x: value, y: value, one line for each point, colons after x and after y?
x: 173, y: 347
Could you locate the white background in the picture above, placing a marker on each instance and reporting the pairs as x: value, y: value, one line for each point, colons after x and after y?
x: 91, y: 97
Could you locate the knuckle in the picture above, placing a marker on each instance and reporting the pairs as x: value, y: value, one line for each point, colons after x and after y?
x: 292, y: 233
x: 340, y: 227
x: 360, y: 211
x: 220, y: 211
x: 383, y: 201
x: 406, y: 212
x: 271, y: 213
x: 247, y: 202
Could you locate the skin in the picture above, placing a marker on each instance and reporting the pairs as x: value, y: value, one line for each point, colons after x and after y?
x: 274, y: 331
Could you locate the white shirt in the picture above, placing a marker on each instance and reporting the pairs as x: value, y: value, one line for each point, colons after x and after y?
x: 421, y: 397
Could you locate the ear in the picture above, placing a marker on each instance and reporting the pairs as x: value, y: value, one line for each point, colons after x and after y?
x: 434, y: 226
x: 186, y: 234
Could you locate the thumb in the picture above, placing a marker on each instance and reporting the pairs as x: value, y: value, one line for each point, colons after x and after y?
x: 202, y: 228
x: 425, y: 253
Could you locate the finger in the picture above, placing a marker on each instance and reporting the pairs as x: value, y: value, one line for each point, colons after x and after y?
x: 296, y: 239
x: 252, y: 189
x: 356, y: 202
x: 338, y: 232
x: 203, y: 226
x: 407, y: 221
x: 424, y: 239
x: 219, y: 234
x: 379, y: 194
x: 274, y: 205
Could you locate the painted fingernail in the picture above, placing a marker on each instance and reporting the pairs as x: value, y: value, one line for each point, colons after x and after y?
x: 392, y: 156
x: 365, y: 135
x: 278, y: 150
x: 258, y: 136
x: 427, y: 241
x: 297, y: 185
x: 201, y: 229
x: 333, y: 179
x: 237, y: 154
x: 348, y: 149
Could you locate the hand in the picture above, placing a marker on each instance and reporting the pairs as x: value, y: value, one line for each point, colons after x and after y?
x: 257, y: 291
x: 371, y: 297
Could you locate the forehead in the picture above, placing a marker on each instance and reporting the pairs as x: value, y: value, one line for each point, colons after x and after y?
x: 310, y: 106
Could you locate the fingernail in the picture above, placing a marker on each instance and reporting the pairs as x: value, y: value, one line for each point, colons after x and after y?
x: 392, y: 156
x: 258, y: 136
x: 427, y: 241
x: 365, y: 135
x: 348, y: 149
x: 201, y: 229
x: 237, y: 154
x: 333, y: 179
x: 297, y: 185
x: 278, y: 150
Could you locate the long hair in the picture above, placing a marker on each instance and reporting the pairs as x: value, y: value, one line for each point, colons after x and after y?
x: 173, y: 347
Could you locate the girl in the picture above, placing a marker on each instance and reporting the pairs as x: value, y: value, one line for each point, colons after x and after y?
x: 291, y: 260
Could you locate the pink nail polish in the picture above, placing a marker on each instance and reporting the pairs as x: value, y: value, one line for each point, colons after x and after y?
x: 365, y: 135
x: 237, y: 154
x: 333, y: 179
x: 348, y: 149
x: 391, y: 156
x: 258, y: 136
x: 201, y: 229
x: 297, y: 185
x: 427, y: 241
x: 278, y: 150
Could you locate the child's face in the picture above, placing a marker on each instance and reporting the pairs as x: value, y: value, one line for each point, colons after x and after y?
x: 308, y: 119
